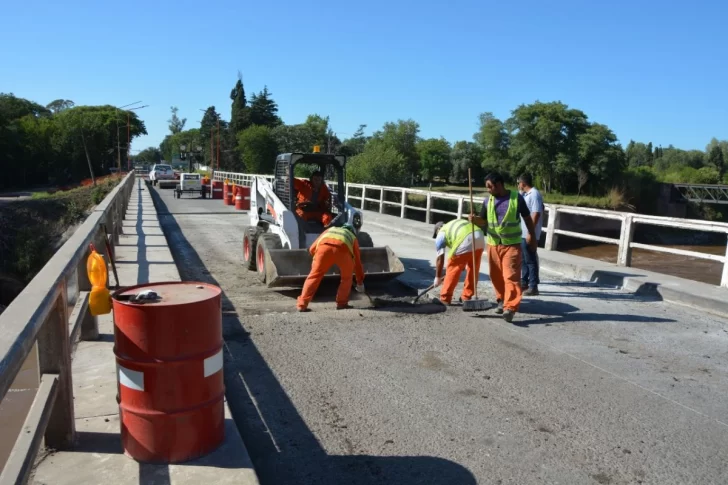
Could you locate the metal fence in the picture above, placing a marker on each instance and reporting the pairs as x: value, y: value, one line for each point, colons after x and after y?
x: 386, y: 197
x: 41, y: 316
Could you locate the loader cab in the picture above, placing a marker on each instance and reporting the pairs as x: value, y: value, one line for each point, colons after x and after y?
x: 290, y: 166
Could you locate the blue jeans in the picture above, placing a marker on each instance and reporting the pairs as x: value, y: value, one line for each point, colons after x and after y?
x: 529, y: 268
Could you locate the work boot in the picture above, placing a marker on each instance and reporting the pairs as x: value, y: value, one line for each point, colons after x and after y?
x: 499, y: 310
x: 524, y: 285
x: 508, y: 315
x: 344, y: 307
x: 303, y: 309
x: 531, y: 291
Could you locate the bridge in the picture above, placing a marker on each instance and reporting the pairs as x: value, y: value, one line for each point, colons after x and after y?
x: 612, y: 375
x: 703, y: 193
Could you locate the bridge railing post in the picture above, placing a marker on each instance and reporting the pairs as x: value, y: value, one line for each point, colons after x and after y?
x: 624, y: 255
x: 381, y: 200
x: 428, y: 209
x: 54, y: 357
x: 551, y: 237
x: 363, y: 196
x: 724, y: 276
x: 460, y: 208
x: 403, y: 206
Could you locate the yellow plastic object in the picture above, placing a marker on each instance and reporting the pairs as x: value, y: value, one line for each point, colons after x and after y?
x: 317, y: 148
x: 99, y: 302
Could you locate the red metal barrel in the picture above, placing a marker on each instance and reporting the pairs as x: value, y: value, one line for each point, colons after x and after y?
x: 225, y: 191
x: 170, y: 380
x: 217, y: 189
x: 229, y: 195
x: 238, y: 197
x: 245, y: 204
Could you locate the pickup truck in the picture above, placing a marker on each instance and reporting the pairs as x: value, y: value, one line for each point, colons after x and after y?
x: 162, y: 175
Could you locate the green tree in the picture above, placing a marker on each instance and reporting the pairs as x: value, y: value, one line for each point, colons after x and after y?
x: 208, y: 128
x: 354, y: 145
x: 466, y: 155
x: 14, y: 108
x: 176, y: 124
x: 716, y: 160
x: 639, y: 154
x: 434, y: 157
x: 149, y: 155
x: 402, y: 136
x: 240, y: 113
x: 302, y: 137
x: 60, y: 105
x: 264, y: 110
x: 494, y: 142
x: 544, y: 141
x: 600, y: 158
x: 379, y: 164
x: 258, y: 149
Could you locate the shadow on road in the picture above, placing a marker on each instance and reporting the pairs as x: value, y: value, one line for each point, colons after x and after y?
x: 282, y: 447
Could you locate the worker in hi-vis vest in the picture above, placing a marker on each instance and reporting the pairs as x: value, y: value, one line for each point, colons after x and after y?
x: 456, y: 240
x: 501, y: 218
x: 335, y: 246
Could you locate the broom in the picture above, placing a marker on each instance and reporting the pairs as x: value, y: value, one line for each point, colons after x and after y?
x: 474, y: 305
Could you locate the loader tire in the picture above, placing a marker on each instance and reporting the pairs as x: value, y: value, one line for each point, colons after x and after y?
x: 365, y: 240
x: 250, y: 245
x: 266, y: 242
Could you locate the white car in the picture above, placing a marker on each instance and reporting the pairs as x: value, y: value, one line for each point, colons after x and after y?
x: 161, y: 172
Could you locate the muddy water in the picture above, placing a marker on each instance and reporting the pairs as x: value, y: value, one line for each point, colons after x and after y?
x: 14, y: 407
x: 695, y: 269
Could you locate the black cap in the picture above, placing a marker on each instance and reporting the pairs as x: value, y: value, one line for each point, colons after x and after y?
x: 438, y: 226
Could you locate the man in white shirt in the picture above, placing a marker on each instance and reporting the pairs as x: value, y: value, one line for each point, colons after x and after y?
x: 534, y: 202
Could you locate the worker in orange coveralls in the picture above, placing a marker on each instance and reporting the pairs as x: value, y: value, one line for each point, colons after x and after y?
x: 335, y: 246
x: 313, y: 199
x: 456, y: 238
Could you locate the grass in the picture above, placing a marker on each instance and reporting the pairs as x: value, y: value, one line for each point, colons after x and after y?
x: 30, y: 230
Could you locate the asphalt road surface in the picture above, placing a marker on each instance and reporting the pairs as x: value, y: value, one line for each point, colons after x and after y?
x: 590, y: 385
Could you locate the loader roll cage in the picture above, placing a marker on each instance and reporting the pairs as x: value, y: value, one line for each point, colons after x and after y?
x: 331, y: 166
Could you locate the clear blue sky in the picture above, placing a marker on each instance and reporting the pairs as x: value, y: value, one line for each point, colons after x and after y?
x: 651, y: 70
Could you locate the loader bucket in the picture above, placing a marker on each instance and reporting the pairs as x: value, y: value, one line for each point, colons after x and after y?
x: 290, y: 267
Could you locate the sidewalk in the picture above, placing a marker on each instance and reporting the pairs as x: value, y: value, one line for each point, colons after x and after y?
x: 142, y: 256
x: 706, y: 297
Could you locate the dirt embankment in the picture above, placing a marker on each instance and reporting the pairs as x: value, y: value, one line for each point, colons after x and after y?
x: 31, y: 230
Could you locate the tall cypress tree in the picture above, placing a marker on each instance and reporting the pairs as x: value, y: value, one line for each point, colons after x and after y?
x: 240, y: 113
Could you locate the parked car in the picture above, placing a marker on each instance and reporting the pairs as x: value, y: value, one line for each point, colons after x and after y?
x: 161, y: 172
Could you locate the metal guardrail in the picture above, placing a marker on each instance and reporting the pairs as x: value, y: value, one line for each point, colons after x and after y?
x: 625, y: 242
x: 40, y: 316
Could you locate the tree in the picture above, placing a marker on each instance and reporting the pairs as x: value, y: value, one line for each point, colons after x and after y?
x: 302, y: 137
x: 258, y: 149
x: 208, y: 128
x: 149, y: 156
x: 494, y: 142
x: 176, y: 124
x: 60, y: 105
x: 354, y: 145
x: 544, y: 141
x: 716, y: 159
x: 379, y: 164
x: 600, y: 157
x: 434, y: 157
x: 240, y: 113
x: 263, y: 110
x: 13, y: 108
x: 402, y: 136
x: 639, y: 154
x: 466, y: 155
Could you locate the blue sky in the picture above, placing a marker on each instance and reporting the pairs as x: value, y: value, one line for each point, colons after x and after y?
x: 651, y: 70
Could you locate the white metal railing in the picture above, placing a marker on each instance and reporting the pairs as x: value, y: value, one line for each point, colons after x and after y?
x: 40, y: 316
x: 624, y: 243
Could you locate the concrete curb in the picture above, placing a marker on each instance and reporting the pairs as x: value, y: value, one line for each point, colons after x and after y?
x: 672, y: 289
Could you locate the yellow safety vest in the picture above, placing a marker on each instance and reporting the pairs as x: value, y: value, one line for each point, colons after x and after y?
x: 508, y: 233
x: 456, y: 232
x: 339, y: 234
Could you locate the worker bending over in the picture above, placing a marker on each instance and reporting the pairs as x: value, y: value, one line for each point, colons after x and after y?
x: 457, y: 238
x: 313, y: 199
x: 501, y: 216
x: 335, y: 246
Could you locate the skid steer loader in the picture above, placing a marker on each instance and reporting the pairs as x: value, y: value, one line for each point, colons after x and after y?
x: 277, y: 240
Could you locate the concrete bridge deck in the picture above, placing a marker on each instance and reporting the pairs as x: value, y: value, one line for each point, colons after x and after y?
x: 590, y: 384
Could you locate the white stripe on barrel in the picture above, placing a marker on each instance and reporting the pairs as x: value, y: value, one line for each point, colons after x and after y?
x: 131, y: 378
x: 213, y: 363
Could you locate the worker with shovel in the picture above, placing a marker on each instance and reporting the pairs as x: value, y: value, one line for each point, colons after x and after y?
x: 335, y: 246
x: 501, y: 216
x: 459, y: 239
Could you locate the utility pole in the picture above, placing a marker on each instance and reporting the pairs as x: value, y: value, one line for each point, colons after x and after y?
x: 218, y: 143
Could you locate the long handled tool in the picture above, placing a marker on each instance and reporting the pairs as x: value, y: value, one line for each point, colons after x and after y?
x: 474, y: 305
x: 424, y: 292
x: 110, y: 252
